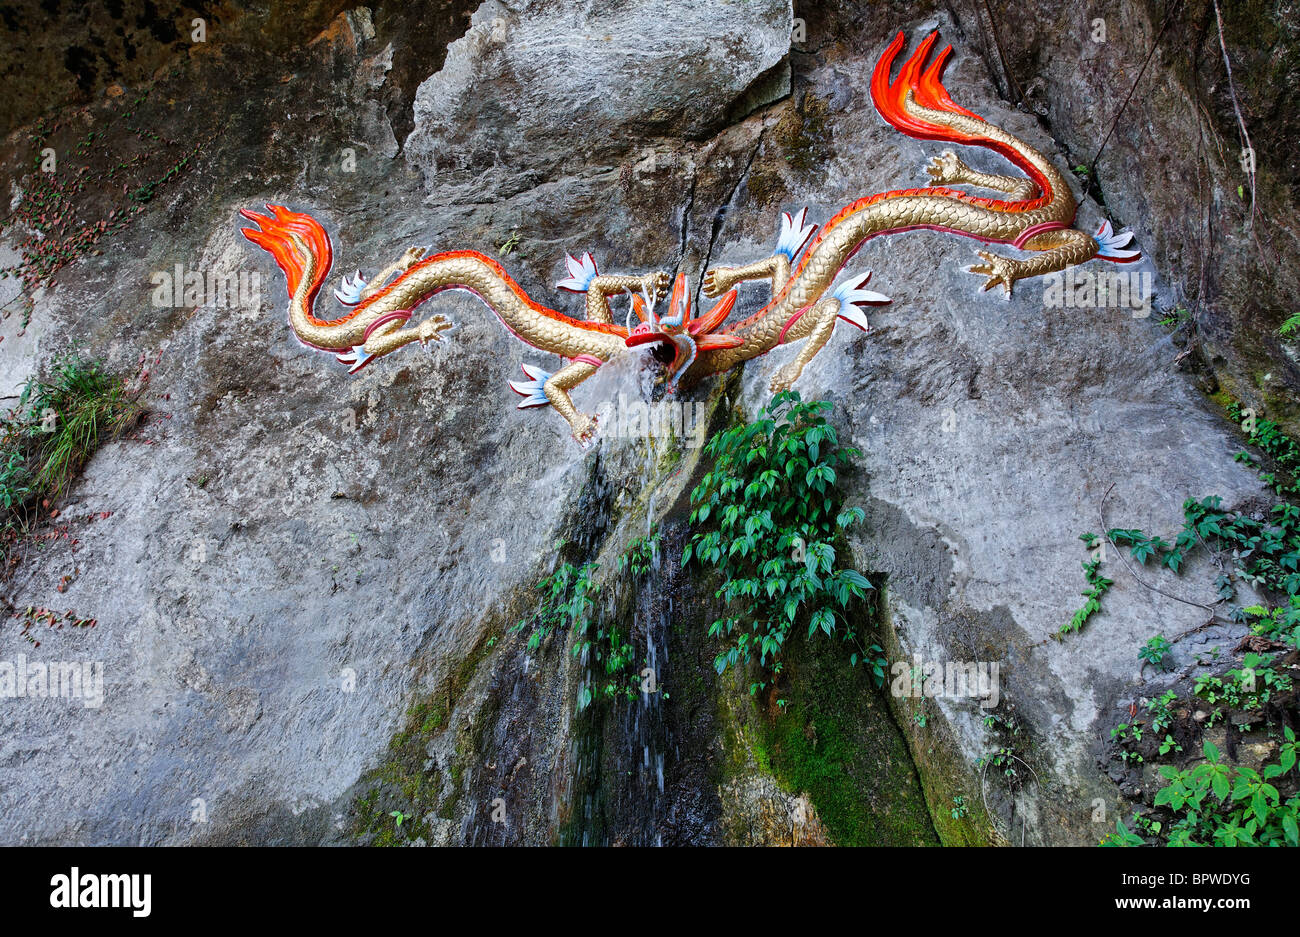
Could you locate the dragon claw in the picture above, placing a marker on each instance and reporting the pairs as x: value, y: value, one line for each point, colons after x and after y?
x: 584, y: 433
x: 998, y: 269
x: 785, y: 378
x: 714, y: 283
x: 944, y: 168
x: 430, y: 328
x: 655, y: 285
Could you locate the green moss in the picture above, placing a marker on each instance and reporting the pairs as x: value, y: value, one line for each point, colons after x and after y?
x: 803, y: 133
x: 943, y: 771
x: 836, y: 741
x: 403, y: 782
x: 1222, y: 398
x: 765, y: 185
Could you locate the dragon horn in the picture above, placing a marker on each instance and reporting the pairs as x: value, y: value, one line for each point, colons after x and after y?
x: 650, y: 310
x: 715, y: 316
x: 679, y: 307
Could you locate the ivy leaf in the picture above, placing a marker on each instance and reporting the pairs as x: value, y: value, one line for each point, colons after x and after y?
x: 823, y: 618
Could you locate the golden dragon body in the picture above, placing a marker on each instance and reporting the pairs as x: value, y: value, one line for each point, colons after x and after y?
x: 1036, y: 217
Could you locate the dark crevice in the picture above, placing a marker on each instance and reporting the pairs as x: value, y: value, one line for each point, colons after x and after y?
x: 721, y: 213
x: 686, y: 218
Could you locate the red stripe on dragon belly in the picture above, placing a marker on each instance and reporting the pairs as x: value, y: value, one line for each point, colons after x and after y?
x: 499, y: 272
x: 402, y: 314
x: 780, y: 339
x: 1018, y: 242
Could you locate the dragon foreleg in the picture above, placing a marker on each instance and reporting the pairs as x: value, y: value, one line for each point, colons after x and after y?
x: 775, y: 269
x: 382, y: 341
x: 603, y: 286
x: 410, y: 257
x: 949, y: 169
x: 816, y: 326
x: 557, y: 387
x: 1055, y: 250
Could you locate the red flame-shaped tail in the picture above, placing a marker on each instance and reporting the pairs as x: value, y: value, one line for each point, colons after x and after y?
x: 926, y: 87
x: 275, y: 238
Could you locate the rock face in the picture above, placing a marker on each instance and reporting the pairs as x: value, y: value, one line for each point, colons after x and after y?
x: 305, y: 583
x: 1174, y: 164
x: 535, y: 86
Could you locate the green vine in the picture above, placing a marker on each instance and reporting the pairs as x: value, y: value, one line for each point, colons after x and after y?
x: 1099, y: 584
x: 767, y: 517
x: 567, y: 604
x: 1215, y: 802
x: 1264, y: 553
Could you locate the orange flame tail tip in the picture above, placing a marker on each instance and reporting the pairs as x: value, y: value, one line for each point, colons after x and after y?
x: 276, y: 237
x: 925, y: 86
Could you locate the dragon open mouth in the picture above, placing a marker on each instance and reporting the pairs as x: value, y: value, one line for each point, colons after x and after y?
x: 678, y: 331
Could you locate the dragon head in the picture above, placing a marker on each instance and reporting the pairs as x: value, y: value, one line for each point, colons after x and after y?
x: 677, y: 331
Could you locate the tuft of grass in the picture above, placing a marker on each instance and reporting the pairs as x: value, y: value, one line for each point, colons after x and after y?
x: 46, y: 440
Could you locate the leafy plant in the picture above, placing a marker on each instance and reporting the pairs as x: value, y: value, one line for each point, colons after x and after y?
x: 1280, y: 624
x: 1161, y: 716
x: 1003, y: 758
x: 1217, y: 804
x: 59, y: 422
x: 640, y: 555
x: 567, y: 605
x: 1127, y: 735
x: 1247, y: 687
x: 767, y: 517
x: 1099, y: 584
x: 1265, y: 553
x: 1155, y: 651
x: 507, y: 247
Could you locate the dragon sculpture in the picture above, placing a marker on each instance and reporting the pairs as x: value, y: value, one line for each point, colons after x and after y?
x: 1036, y: 217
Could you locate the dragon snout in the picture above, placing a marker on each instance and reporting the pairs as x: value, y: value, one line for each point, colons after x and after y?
x: 644, y: 334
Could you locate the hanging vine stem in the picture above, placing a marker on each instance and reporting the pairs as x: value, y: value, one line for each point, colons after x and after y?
x: 1169, y: 18
x: 984, y: 795
x: 1248, y: 163
x: 1002, y: 55
x: 1105, y: 532
x: 1204, y: 239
